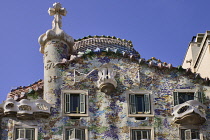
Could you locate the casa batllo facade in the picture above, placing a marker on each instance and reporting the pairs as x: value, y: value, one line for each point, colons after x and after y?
x: 98, y: 88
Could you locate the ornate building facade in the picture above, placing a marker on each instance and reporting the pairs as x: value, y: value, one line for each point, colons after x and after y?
x: 198, y: 54
x: 98, y: 88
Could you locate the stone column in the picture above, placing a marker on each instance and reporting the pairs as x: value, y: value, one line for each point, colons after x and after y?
x: 56, y: 46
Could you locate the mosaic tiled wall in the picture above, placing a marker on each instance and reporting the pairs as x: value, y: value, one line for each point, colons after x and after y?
x: 108, y: 114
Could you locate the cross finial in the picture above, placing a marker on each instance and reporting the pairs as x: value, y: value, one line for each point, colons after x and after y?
x: 57, y: 11
x: 56, y: 32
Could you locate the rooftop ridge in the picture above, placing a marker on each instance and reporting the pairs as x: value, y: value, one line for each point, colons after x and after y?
x: 103, y: 36
x: 20, y: 91
x: 92, y: 42
x: 24, y: 87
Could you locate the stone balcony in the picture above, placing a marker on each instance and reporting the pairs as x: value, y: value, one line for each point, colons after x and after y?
x: 25, y: 109
x: 106, y: 81
x: 189, y: 112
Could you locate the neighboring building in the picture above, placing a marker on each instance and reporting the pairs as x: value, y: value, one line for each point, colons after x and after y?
x: 98, y: 88
x: 197, y: 57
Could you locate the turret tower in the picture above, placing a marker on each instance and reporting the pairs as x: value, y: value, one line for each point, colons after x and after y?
x: 56, y: 45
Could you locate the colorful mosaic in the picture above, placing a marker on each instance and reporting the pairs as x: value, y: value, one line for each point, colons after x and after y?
x: 108, y: 114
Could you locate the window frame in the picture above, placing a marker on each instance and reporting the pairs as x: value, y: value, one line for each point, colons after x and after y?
x: 82, y: 94
x: 25, y: 127
x: 144, y: 93
x: 75, y: 127
x: 142, y: 128
x: 190, y: 128
x: 197, y: 94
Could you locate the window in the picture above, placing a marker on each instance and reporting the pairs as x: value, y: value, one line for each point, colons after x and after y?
x: 27, y: 133
x: 141, y: 134
x: 190, y: 134
x: 74, y: 133
x: 139, y: 104
x: 181, y: 97
x: 75, y: 103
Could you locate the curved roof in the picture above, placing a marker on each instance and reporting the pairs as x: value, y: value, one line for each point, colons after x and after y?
x: 104, y: 43
x: 20, y: 92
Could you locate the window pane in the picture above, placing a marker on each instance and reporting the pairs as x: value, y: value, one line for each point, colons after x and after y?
x: 30, y: 134
x: 83, y: 134
x: 145, y: 134
x: 140, y: 103
x: 182, y: 134
x: 146, y: 103
x: 200, y: 97
x: 136, y: 135
x: 78, y: 134
x: 195, y: 134
x: 82, y: 103
x: 132, y: 104
x: 27, y: 133
x: 17, y: 134
x: 176, y: 98
x: 67, y: 103
x: 21, y: 133
x: 75, y: 103
x: 140, y: 134
x: 69, y: 134
x: 189, y: 134
x: 74, y: 133
x: 190, y: 96
x: 185, y: 96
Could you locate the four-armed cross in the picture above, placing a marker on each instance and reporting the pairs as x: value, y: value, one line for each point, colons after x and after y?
x: 57, y: 11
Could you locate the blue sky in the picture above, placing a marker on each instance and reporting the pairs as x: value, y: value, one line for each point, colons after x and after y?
x: 157, y: 28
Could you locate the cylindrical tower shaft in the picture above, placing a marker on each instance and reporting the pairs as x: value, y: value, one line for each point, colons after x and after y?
x: 56, y: 45
x: 55, y: 50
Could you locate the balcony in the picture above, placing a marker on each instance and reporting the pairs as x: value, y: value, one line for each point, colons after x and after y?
x: 42, y: 109
x: 10, y: 107
x: 25, y: 109
x: 189, y: 112
x: 106, y: 82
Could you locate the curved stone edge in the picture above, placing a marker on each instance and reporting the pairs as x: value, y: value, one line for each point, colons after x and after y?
x: 25, y: 108
x: 50, y: 35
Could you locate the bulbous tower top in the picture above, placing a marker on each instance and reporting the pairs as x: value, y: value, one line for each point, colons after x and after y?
x: 56, y: 32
